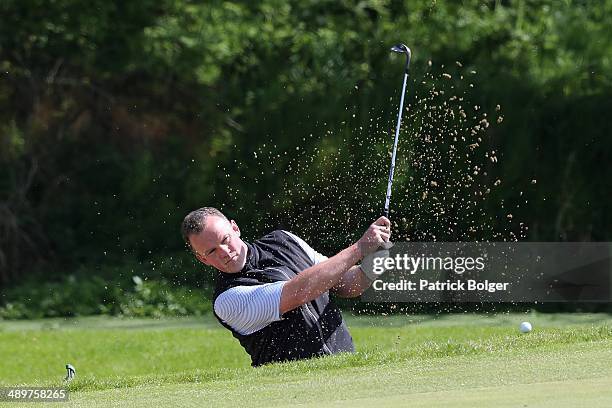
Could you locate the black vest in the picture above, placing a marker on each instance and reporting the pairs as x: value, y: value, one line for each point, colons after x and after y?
x: 313, y: 329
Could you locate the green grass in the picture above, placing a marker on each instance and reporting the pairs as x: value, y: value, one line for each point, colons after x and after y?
x: 459, y: 360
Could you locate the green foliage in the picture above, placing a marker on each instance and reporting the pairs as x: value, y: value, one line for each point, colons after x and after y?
x: 81, y: 296
x: 120, y: 117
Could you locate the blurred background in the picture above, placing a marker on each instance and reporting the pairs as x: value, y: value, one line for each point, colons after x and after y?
x: 118, y: 118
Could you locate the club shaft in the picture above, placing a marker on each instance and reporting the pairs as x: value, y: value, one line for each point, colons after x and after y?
x: 397, y: 130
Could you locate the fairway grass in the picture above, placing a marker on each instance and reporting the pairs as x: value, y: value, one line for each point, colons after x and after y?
x: 548, y: 379
x: 458, y: 360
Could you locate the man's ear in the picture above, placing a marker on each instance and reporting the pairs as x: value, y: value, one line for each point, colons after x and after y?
x: 235, y: 227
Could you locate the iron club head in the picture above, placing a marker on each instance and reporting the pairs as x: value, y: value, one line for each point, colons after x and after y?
x: 401, y: 48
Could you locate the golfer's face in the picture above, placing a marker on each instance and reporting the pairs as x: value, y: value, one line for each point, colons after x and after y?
x: 219, y: 245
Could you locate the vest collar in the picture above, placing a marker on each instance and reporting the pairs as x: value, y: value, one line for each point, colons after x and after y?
x: 252, y: 258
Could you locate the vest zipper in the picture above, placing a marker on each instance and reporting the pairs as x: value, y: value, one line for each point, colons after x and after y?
x: 325, y: 347
x: 316, y: 322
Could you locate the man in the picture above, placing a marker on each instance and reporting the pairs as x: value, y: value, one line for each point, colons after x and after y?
x: 273, y: 294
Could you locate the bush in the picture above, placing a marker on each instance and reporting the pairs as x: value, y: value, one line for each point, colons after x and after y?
x: 80, y: 296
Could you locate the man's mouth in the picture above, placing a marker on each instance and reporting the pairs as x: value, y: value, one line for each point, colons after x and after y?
x: 231, y: 259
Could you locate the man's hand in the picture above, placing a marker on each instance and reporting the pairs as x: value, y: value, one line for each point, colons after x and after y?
x: 377, y: 235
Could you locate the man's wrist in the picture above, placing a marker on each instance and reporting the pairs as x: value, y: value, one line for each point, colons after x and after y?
x: 358, y: 251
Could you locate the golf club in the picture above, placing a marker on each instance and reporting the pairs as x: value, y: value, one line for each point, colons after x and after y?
x: 402, y: 49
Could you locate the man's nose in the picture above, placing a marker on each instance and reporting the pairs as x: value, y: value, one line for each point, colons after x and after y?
x: 225, y: 251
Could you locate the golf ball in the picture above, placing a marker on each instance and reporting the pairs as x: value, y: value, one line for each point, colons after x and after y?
x: 525, y: 327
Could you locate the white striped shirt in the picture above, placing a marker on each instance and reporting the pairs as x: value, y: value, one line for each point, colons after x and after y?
x: 248, y: 309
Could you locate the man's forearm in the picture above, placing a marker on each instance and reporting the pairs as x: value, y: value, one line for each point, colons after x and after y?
x: 353, y: 283
x: 318, y: 279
